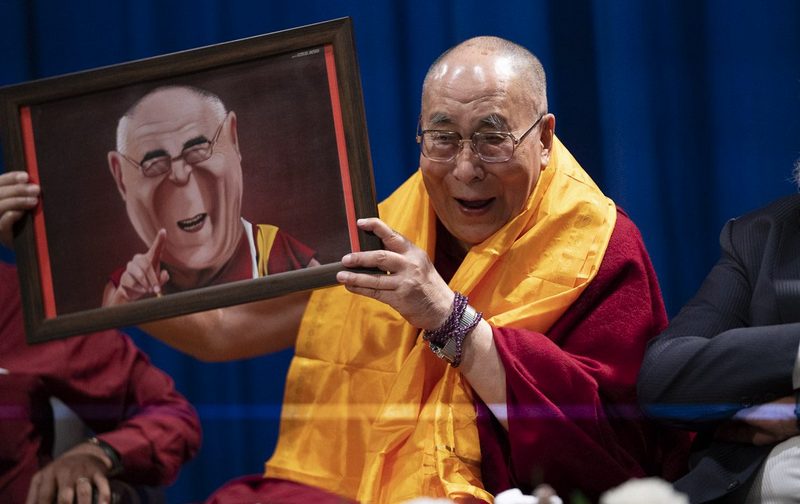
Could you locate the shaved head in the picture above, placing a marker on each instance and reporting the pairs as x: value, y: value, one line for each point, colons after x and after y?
x: 511, y: 58
x: 213, y: 102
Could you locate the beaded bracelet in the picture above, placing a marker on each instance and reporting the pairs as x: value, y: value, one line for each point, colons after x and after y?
x: 444, y: 332
x: 461, y: 335
x: 447, y: 342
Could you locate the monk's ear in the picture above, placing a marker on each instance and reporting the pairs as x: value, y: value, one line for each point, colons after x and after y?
x: 115, y: 166
x: 234, y: 133
x: 548, y: 126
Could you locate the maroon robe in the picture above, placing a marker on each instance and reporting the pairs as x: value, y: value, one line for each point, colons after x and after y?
x: 574, y: 422
x: 106, y: 380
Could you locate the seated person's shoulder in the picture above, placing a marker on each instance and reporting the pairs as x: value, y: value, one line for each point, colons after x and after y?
x: 784, y: 208
x: 759, y: 224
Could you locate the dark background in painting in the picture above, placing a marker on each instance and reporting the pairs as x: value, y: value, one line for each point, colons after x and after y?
x: 686, y: 113
x: 289, y: 160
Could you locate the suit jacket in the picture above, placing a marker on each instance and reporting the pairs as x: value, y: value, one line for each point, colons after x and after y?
x: 734, y: 345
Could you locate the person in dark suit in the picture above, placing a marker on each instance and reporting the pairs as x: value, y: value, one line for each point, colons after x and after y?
x: 727, y: 366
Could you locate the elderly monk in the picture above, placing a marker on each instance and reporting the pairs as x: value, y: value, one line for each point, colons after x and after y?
x: 501, y: 346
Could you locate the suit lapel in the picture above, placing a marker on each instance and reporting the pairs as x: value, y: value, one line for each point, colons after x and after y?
x: 787, y: 272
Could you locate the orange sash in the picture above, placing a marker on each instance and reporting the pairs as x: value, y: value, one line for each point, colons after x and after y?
x: 369, y: 412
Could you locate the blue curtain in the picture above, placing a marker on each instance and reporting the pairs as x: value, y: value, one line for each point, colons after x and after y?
x: 684, y: 111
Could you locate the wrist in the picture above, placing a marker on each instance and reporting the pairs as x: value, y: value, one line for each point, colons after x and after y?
x: 110, y: 456
x: 444, y: 311
x: 447, y: 341
x: 443, y: 330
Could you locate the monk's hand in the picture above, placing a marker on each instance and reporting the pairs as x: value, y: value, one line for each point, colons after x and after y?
x: 72, y: 478
x: 17, y: 196
x: 143, y: 275
x: 408, y: 283
x: 764, y: 424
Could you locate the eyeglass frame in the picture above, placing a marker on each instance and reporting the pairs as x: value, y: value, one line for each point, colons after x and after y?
x: 211, y: 144
x: 462, y: 140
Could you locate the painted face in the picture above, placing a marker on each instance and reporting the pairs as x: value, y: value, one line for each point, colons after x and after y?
x: 479, y: 92
x: 198, y: 204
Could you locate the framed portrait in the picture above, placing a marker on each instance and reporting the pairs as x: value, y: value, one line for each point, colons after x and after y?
x: 190, y: 181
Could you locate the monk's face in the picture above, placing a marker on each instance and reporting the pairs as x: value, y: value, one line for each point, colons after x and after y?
x: 471, y: 92
x: 199, y: 204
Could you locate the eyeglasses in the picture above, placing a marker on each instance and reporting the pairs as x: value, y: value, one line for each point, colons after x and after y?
x: 491, y: 146
x: 192, y: 154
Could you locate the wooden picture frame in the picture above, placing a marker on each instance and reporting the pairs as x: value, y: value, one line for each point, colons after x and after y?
x: 300, y: 133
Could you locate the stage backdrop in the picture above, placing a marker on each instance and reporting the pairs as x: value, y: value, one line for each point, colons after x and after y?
x: 686, y: 112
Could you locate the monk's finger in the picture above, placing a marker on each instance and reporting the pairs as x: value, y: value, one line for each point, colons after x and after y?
x: 153, y: 254
x: 13, y: 178
x: 391, y: 239
x: 17, y: 195
x: 102, y: 487
x: 17, y: 199
x: 16, y: 183
x: 384, y: 260
x: 33, y: 488
x: 379, y: 282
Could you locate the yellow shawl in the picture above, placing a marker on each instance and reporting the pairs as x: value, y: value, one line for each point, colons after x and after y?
x: 369, y: 412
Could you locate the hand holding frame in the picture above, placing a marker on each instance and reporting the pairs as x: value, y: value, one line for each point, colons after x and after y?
x: 411, y: 284
x: 17, y: 196
x: 414, y: 288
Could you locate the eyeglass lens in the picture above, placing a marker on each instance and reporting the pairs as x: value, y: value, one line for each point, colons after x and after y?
x: 445, y: 145
x: 191, y: 155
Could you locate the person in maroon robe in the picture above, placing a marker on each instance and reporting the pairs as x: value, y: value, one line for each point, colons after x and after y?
x: 557, y: 408
x: 144, y: 430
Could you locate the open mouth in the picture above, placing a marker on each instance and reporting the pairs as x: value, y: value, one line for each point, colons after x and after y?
x: 475, y: 204
x: 193, y: 224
